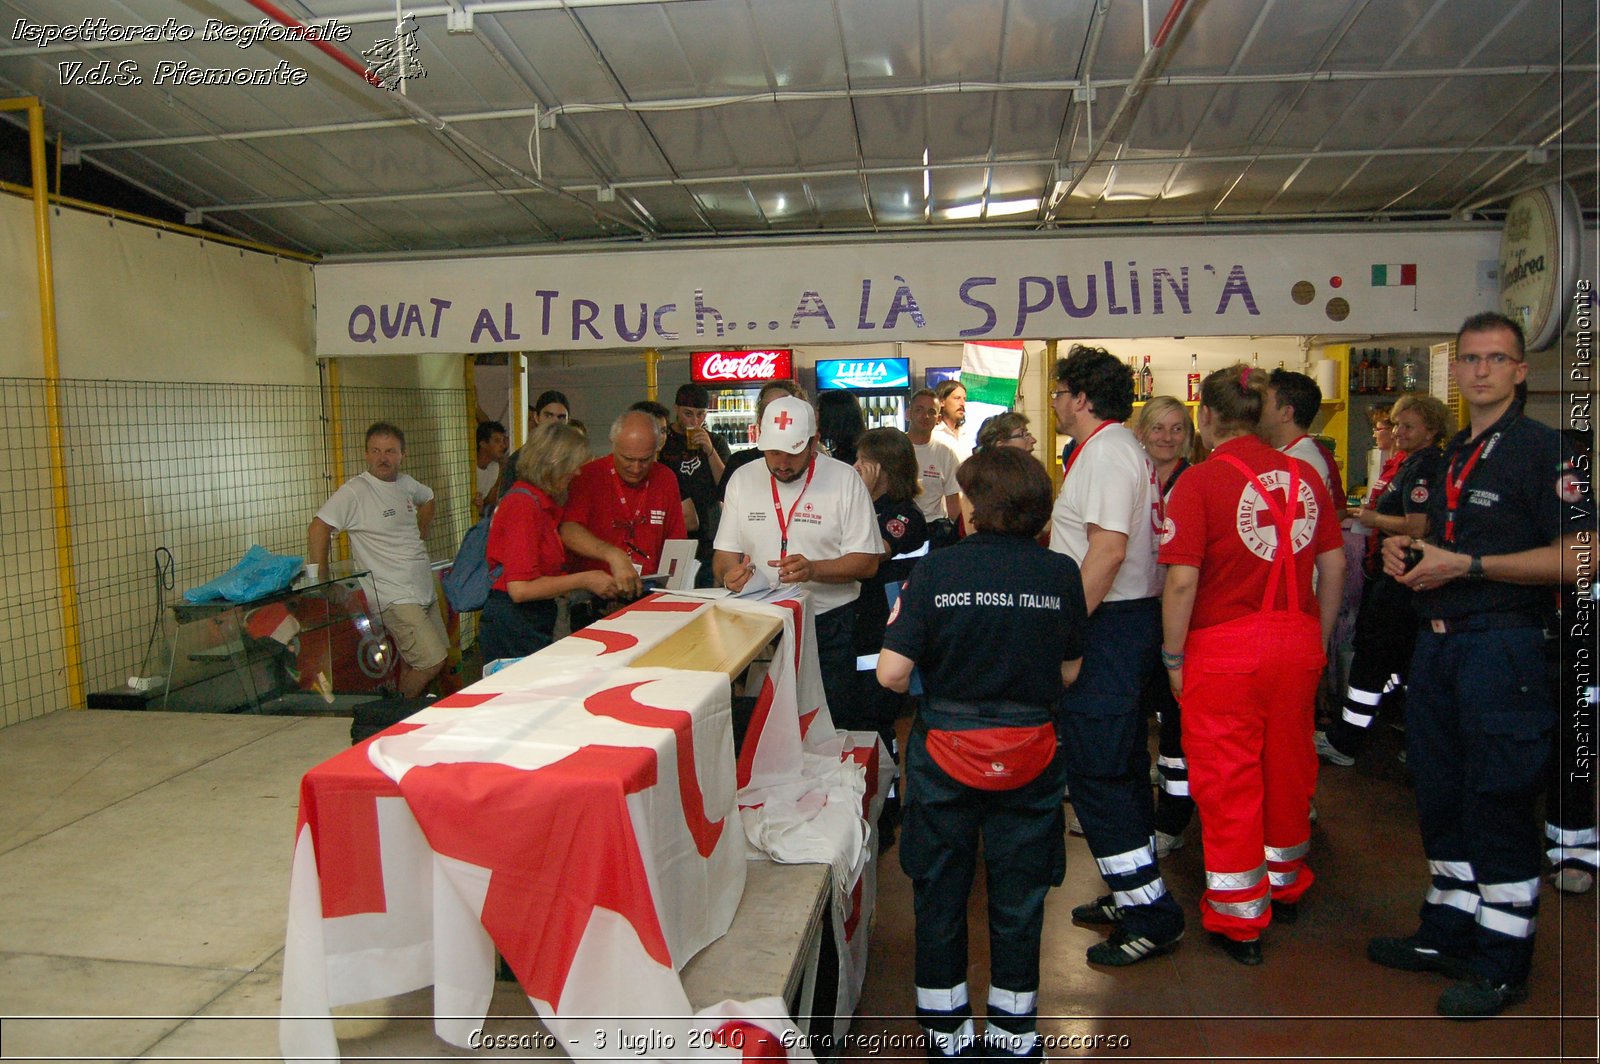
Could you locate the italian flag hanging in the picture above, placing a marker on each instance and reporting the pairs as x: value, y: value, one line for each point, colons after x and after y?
x: 1394, y: 274
x: 989, y: 371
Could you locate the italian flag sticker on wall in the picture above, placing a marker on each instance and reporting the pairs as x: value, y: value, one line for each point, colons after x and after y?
x: 1394, y: 274
x: 989, y: 372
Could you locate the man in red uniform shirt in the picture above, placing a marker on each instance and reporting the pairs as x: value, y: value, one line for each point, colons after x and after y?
x: 623, y: 502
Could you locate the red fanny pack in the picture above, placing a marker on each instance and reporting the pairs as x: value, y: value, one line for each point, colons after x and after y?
x: 993, y: 759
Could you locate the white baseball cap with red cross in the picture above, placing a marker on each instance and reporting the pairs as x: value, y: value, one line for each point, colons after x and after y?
x: 787, y: 425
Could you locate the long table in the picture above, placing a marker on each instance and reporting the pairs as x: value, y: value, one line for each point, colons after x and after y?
x: 584, y: 812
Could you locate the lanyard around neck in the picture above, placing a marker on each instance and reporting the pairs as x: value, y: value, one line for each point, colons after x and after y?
x: 631, y: 526
x: 1072, y: 458
x: 1453, y: 483
x: 777, y: 506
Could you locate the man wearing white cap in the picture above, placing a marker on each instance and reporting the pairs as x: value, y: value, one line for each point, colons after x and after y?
x: 804, y: 519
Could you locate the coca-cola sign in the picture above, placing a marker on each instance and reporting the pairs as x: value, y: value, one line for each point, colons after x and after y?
x: 739, y: 367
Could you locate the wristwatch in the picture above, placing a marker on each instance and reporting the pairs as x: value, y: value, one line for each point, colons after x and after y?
x: 1475, y: 568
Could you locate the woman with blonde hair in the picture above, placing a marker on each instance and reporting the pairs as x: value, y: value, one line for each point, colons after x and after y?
x: 1164, y: 428
x: 525, y: 555
x: 1386, y: 622
x: 1243, y: 637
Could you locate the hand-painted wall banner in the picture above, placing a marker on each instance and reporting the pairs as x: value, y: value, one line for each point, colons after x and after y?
x: 863, y: 374
x: 1106, y: 285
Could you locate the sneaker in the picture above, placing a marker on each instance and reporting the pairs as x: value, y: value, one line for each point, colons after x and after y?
x: 1572, y: 881
x: 1103, y: 910
x: 1247, y: 952
x: 1410, y: 955
x: 1330, y: 753
x: 1165, y: 843
x: 1476, y: 999
x: 1123, y: 949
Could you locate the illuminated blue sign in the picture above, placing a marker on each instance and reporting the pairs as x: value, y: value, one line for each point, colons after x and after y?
x: 865, y: 374
x: 937, y: 375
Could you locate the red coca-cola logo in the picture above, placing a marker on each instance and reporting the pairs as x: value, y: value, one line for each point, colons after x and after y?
x: 710, y: 366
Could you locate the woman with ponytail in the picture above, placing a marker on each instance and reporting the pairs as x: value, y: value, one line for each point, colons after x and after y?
x: 1243, y: 637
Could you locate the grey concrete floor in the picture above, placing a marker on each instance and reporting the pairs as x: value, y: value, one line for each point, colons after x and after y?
x: 144, y: 863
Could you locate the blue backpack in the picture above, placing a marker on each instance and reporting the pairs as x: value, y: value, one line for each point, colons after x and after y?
x: 466, y: 585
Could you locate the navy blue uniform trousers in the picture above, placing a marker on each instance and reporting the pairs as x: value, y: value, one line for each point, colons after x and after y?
x: 1479, y: 724
x: 1104, y: 741
x: 1024, y: 855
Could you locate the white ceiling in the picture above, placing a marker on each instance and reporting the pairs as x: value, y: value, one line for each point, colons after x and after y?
x: 712, y: 118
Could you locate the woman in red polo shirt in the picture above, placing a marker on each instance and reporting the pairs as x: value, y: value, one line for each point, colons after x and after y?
x: 1243, y: 639
x: 525, y: 551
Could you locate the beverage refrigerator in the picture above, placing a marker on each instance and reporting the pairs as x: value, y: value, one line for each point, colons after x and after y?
x: 734, y: 379
x: 882, y: 386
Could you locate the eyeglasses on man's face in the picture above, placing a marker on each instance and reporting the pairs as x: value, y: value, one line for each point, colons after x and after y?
x: 1059, y: 392
x: 1494, y: 358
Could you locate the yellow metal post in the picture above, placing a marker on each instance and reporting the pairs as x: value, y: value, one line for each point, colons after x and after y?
x: 470, y: 382
x: 652, y: 358
x: 1333, y: 420
x: 66, y: 575
x: 341, y: 543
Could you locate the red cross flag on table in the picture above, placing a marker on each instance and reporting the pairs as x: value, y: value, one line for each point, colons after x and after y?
x: 580, y: 825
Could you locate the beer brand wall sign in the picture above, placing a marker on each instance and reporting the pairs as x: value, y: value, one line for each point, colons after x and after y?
x: 1539, y: 252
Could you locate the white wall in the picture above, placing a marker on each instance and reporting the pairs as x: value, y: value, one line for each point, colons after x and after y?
x: 135, y: 303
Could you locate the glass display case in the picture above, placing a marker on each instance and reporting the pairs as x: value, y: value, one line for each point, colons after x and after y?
x: 296, y: 651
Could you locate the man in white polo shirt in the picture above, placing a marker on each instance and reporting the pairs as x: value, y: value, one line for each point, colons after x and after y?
x: 802, y: 518
x: 940, y: 500
x: 387, y: 514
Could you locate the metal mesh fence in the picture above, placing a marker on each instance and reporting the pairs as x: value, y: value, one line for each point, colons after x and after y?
x: 204, y: 470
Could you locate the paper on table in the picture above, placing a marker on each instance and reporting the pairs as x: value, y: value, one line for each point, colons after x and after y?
x: 758, y: 584
x: 674, y: 554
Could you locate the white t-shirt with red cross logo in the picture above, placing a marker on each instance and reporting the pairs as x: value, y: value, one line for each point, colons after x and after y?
x: 832, y: 517
x: 936, y: 465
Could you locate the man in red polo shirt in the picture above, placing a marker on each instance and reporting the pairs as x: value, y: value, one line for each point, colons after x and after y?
x: 623, y: 501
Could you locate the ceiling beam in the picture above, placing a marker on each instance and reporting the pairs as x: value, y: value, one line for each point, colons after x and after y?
x: 801, y: 96
x: 1044, y: 163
